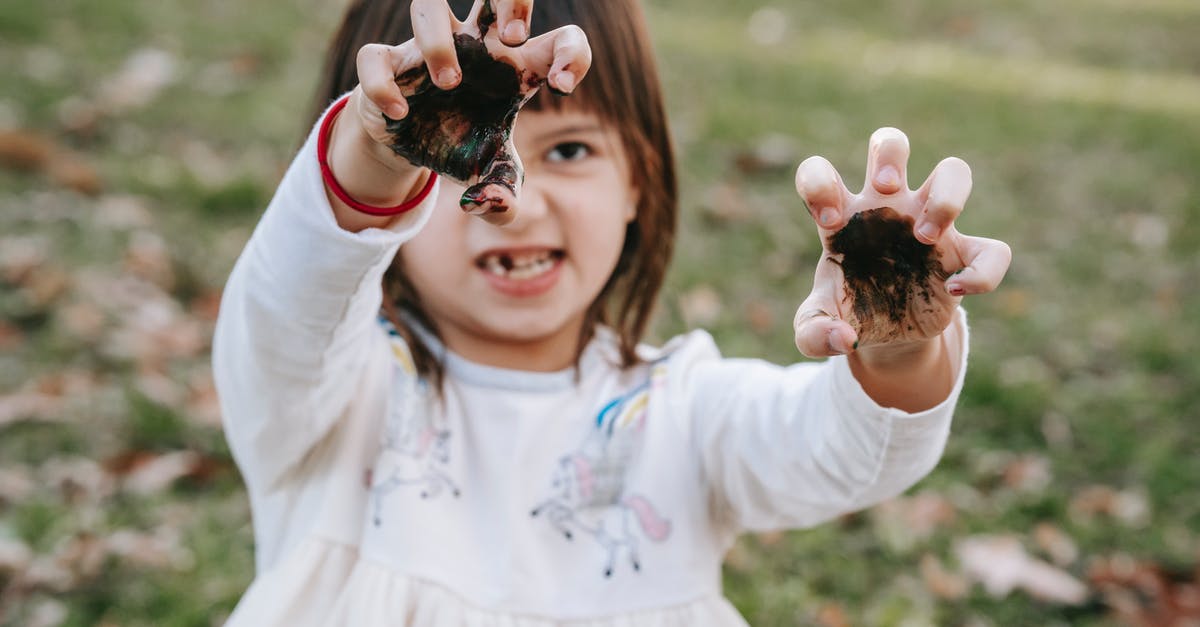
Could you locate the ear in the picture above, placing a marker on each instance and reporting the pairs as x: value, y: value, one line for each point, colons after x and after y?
x: 635, y: 197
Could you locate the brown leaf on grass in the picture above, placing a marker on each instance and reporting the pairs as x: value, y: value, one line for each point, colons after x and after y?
x: 726, y: 203
x: 82, y: 320
x: 152, y: 327
x: 21, y: 257
x: 28, y: 405
x: 25, y: 151
x: 202, y: 405
x: 1001, y: 565
x: 147, y: 256
x: 770, y: 154
x: 45, y: 398
x: 1056, y: 543
x: 15, y: 556
x: 46, y: 286
x: 700, y: 306
x: 161, y: 549
x: 1028, y: 474
x: 206, y: 305
x: 760, y: 317
x: 941, y: 582
x: 155, y: 473
x: 145, y: 73
x: 832, y: 615
x: 1130, y: 507
x: 122, y: 211
x: 16, y: 484
x: 32, y: 152
x: 48, y: 613
x: 1142, y: 593
x: 78, y: 479
x: 905, y: 521
x: 11, y: 337
x: 147, y: 472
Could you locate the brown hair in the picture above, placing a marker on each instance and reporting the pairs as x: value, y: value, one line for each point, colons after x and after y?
x: 621, y: 87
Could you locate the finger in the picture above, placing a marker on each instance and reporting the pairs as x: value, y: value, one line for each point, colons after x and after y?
x: 887, y: 161
x: 512, y: 20
x: 819, y: 334
x: 944, y: 194
x: 987, y: 262
x: 561, y: 56
x: 377, y: 67
x: 821, y: 188
x: 433, y: 29
x: 819, y: 330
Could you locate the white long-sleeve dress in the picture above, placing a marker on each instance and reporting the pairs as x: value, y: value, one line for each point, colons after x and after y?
x: 603, y: 497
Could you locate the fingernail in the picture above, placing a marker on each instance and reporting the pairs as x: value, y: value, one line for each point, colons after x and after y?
x: 929, y: 232
x: 837, y: 343
x: 515, y: 31
x: 447, y: 77
x: 566, y: 80
x: 855, y: 344
x: 396, y: 111
x: 888, y: 176
x: 955, y: 289
x: 828, y: 216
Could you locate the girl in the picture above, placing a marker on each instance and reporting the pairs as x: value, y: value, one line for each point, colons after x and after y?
x: 497, y: 448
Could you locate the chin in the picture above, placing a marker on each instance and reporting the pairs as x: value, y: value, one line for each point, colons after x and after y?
x: 530, y: 327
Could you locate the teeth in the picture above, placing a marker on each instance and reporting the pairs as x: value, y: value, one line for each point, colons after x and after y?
x: 519, y: 267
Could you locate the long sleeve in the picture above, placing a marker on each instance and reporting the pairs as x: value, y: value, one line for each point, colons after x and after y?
x: 787, y: 447
x: 297, y: 322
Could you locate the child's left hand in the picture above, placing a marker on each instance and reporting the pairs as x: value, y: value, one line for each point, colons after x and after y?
x: 893, y: 267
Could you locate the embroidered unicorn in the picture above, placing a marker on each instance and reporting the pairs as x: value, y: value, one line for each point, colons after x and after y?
x: 588, y: 487
x: 415, y: 450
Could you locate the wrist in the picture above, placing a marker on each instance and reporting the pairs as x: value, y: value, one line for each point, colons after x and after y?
x: 360, y: 174
x: 900, y: 355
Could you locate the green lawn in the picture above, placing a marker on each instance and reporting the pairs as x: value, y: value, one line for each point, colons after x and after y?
x: 120, y: 218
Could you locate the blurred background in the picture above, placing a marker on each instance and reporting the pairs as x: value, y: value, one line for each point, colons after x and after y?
x: 140, y: 140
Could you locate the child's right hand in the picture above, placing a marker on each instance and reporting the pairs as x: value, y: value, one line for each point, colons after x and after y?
x: 433, y: 113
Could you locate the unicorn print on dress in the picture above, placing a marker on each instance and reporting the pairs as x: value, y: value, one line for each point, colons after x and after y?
x: 588, y: 495
x: 416, y: 451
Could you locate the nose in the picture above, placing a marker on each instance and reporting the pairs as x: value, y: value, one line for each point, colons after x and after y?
x: 533, y: 206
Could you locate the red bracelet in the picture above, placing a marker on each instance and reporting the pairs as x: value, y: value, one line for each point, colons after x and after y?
x: 339, y: 191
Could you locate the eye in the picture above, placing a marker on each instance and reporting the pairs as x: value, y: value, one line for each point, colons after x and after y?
x: 568, y: 151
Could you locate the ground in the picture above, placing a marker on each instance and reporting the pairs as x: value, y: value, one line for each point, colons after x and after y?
x: 140, y: 140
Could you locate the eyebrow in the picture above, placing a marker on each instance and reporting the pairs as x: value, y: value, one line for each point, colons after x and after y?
x: 570, y: 130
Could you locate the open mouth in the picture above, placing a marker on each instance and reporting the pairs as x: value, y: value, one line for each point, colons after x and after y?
x: 519, y: 265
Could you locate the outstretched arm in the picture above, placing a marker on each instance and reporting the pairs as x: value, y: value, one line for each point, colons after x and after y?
x: 893, y: 270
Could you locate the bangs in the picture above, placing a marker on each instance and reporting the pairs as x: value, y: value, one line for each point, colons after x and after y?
x: 622, y: 64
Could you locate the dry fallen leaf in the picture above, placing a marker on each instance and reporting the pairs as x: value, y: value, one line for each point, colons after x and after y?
x: 1001, y: 565
x: 1144, y: 594
x: 904, y: 521
x: 942, y: 583
x: 1056, y: 543
x: 1028, y: 474
x: 1129, y: 506
x: 144, y: 75
x: 15, y: 556
x: 29, y: 151
x: 155, y: 473
x: 700, y: 306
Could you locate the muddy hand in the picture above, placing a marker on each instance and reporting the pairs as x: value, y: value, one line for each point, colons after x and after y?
x: 455, y: 89
x: 893, y: 267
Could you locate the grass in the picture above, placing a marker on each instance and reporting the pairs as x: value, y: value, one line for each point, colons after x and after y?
x: 1078, y: 118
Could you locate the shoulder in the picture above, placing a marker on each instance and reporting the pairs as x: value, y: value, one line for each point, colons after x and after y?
x: 688, y: 348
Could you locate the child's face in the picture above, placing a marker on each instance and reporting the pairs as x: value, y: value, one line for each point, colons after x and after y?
x: 516, y: 296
